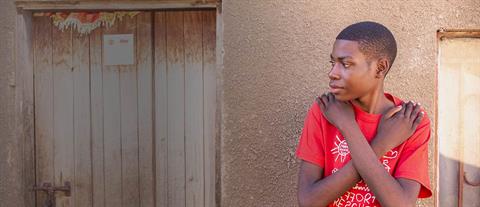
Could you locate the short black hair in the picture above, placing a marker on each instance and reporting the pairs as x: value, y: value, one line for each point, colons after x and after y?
x: 374, y: 40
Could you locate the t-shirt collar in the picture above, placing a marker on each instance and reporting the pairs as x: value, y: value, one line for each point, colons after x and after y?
x: 365, y: 116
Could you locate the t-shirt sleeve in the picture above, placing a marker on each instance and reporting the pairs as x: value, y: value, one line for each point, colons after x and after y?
x: 310, y: 147
x: 413, y: 161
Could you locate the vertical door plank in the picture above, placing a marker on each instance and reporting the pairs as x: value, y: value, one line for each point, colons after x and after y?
x: 194, y: 108
x: 43, y: 103
x: 209, y: 87
x: 129, y: 122
x: 96, y: 93
x: 145, y: 108
x: 176, y: 106
x: 82, y: 139
x: 111, y: 132
x: 24, y: 102
x: 63, y: 105
x: 161, y: 144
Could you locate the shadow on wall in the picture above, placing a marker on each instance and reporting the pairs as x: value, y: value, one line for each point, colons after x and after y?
x: 449, y: 183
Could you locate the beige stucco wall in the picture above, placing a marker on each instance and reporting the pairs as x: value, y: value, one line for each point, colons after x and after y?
x: 275, y: 63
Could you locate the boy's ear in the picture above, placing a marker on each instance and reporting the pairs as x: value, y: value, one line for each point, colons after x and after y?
x: 382, y: 67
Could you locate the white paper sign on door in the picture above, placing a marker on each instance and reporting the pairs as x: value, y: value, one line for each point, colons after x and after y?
x: 118, y: 49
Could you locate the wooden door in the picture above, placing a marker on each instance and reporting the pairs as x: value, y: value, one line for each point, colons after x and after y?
x: 459, y: 122
x: 128, y: 135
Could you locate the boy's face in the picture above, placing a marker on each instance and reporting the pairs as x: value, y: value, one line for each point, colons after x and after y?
x: 352, y: 75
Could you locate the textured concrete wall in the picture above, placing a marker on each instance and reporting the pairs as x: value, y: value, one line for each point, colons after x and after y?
x: 10, y: 147
x: 276, y: 62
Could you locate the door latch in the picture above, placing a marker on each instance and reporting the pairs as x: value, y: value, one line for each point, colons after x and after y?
x: 50, y: 190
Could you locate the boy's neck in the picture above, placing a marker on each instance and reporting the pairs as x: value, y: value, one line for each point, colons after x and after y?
x: 374, y: 103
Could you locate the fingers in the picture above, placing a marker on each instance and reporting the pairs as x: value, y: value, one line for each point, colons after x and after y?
x: 324, y: 99
x: 417, y: 108
x: 330, y: 97
x: 418, y: 120
x: 409, y: 108
x: 320, y: 103
x: 393, y: 111
x: 402, y: 111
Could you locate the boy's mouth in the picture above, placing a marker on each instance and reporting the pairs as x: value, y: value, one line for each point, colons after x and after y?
x: 335, y: 89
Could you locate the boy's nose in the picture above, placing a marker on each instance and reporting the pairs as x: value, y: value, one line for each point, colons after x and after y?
x: 333, y: 74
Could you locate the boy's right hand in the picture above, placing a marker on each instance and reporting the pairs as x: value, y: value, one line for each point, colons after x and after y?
x: 338, y: 113
x: 398, y: 124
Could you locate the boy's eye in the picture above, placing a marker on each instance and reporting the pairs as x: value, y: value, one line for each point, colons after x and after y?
x: 346, y: 65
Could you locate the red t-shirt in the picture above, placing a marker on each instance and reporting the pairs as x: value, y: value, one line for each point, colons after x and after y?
x: 322, y: 144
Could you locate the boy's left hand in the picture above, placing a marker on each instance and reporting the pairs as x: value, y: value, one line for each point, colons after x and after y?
x: 398, y: 124
x: 338, y: 113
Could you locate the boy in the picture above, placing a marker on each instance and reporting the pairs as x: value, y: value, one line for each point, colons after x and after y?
x: 360, y: 146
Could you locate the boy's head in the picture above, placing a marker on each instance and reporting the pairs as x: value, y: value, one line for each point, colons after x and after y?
x: 374, y: 40
x: 362, y: 55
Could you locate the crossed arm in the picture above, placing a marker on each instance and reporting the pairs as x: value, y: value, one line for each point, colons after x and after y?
x: 314, y: 190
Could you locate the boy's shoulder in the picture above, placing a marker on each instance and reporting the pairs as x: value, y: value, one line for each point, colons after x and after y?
x: 397, y: 101
x: 315, y: 112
